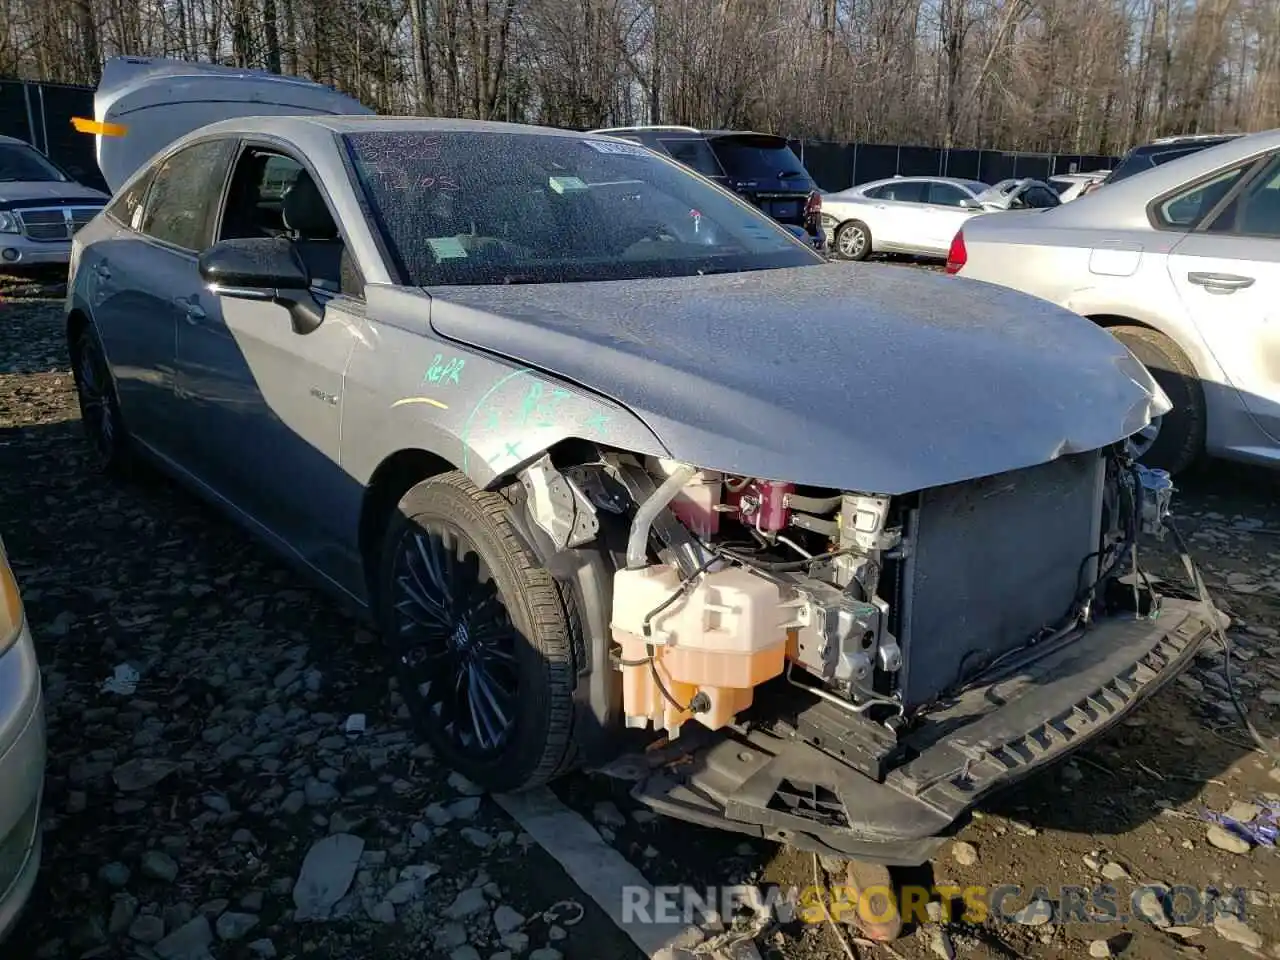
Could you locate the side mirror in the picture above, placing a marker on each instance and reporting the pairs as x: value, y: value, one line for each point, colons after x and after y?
x: 969, y: 203
x: 264, y: 269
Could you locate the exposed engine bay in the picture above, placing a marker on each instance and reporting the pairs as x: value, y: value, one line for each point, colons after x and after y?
x: 879, y: 606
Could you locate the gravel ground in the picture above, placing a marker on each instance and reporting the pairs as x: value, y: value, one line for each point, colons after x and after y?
x: 182, y: 812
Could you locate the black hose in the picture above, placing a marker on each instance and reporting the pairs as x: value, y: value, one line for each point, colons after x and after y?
x: 779, y: 566
x: 1198, y: 583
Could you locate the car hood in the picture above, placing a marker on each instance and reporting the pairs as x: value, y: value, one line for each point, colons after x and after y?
x: 850, y: 376
x: 21, y: 192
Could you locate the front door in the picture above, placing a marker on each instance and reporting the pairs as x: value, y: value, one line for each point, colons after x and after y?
x: 946, y: 213
x: 1227, y: 274
x: 266, y: 401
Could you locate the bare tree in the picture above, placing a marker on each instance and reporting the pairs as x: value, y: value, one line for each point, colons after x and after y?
x: 1021, y: 74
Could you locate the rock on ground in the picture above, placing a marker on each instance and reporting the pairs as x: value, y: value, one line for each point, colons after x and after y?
x: 326, y: 875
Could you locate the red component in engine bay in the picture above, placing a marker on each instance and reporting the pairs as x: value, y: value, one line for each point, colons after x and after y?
x: 761, y: 503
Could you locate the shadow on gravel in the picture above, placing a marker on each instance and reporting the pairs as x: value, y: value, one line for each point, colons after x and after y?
x: 246, y: 678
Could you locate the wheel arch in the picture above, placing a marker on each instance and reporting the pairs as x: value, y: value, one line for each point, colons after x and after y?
x: 398, y: 473
x: 403, y: 469
x: 1196, y: 354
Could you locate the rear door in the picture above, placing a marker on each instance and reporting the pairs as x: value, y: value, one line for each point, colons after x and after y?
x: 902, y: 215
x: 765, y: 170
x: 142, y: 280
x: 1227, y: 274
x: 143, y: 104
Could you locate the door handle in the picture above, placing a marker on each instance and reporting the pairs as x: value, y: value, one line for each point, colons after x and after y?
x: 1220, y: 282
x: 192, y: 310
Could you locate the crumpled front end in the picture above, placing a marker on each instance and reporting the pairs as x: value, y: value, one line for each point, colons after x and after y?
x: 850, y: 672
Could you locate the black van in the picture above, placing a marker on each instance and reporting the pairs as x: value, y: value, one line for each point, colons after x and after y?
x: 759, y: 167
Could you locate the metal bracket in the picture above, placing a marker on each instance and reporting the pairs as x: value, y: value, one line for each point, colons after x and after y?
x: 556, y: 504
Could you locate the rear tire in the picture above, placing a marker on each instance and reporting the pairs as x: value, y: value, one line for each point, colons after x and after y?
x: 99, y: 407
x: 1179, y: 441
x: 492, y: 646
x: 853, y: 241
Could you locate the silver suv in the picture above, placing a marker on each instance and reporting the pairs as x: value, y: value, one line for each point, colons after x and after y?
x: 41, y: 207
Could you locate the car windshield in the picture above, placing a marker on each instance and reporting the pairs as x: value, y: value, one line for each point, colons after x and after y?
x: 746, y: 157
x: 23, y: 164
x: 491, y: 208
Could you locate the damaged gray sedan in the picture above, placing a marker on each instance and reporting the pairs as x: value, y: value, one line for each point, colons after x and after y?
x: 612, y: 458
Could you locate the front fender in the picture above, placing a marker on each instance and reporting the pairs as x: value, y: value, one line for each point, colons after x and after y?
x: 407, y: 387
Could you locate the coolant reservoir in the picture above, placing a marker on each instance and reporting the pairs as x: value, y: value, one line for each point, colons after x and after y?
x: 696, y: 502
x: 724, y: 637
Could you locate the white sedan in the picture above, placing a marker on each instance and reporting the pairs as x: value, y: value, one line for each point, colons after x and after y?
x: 1181, y: 263
x: 916, y: 215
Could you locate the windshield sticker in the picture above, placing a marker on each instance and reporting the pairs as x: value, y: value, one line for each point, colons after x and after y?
x: 561, y: 184
x: 617, y: 147
x: 447, y: 248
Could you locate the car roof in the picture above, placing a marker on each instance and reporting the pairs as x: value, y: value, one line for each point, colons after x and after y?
x: 1173, y: 143
x: 374, y: 123
x: 1123, y: 204
x: 691, y: 131
x: 13, y: 140
x: 958, y: 181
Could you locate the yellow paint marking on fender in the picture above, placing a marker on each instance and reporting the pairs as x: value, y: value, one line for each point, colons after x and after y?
x: 102, y: 129
x: 427, y: 400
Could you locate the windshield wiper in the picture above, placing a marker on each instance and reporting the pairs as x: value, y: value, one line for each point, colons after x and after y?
x: 785, y: 174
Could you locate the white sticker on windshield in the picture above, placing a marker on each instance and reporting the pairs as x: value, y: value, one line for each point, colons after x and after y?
x: 561, y: 184
x: 447, y: 248
x: 615, y: 147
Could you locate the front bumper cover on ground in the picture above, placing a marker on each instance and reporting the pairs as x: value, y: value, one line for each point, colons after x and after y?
x: 986, y: 739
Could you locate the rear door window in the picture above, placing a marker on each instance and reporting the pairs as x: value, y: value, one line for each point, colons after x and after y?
x: 1184, y: 210
x: 184, y: 194
x: 126, y: 208
x: 909, y: 191
x: 1255, y: 211
x: 696, y: 154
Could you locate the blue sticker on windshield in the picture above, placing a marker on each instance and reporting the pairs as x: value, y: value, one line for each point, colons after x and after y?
x: 617, y: 147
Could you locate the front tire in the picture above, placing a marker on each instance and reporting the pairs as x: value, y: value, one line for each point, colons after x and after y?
x: 99, y: 406
x: 481, y: 635
x: 853, y: 241
x: 1176, y: 441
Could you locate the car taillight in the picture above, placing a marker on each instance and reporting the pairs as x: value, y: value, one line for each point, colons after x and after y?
x: 10, y: 604
x: 957, y: 256
x: 813, y: 206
